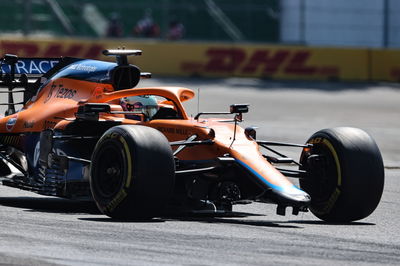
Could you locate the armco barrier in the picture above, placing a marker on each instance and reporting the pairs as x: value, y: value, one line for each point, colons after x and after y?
x: 225, y: 60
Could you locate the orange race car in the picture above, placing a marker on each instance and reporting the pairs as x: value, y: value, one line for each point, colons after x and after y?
x: 85, y: 131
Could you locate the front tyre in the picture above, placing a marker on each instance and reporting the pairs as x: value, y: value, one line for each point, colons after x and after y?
x: 132, y: 172
x: 345, y: 174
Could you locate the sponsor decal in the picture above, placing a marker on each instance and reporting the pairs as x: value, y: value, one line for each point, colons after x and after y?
x: 98, y: 93
x: 31, y: 66
x: 264, y: 61
x: 108, y: 89
x: 171, y: 130
x: 58, y: 91
x: 11, y: 122
x: 395, y: 73
x: 49, y: 124
x: 51, y: 90
x: 246, y: 60
x: 326, y: 206
x: 65, y: 93
x: 116, y: 201
x: 52, y: 49
x: 29, y: 124
x: 82, y: 67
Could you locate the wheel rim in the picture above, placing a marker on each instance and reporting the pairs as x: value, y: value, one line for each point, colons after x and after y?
x: 321, y: 181
x: 110, y: 170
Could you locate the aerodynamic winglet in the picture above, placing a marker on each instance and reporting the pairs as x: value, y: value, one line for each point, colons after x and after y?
x: 111, y: 52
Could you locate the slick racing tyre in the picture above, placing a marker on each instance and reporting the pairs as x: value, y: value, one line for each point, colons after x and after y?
x: 132, y: 172
x: 345, y: 174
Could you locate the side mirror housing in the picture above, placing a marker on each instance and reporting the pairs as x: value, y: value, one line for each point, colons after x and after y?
x: 239, y: 108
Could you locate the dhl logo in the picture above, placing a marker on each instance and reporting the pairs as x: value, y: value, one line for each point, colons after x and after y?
x: 213, y: 60
x: 395, y: 73
x: 52, y: 49
x: 262, y: 61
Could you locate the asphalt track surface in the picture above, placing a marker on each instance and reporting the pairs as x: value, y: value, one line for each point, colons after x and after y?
x: 37, y: 230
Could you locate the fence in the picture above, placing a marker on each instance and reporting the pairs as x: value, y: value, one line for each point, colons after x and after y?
x: 219, y: 20
x: 362, y: 23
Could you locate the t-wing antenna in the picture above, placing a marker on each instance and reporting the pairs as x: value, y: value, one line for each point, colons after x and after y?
x: 122, y: 55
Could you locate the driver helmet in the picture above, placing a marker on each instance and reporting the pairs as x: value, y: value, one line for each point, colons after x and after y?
x: 145, y: 104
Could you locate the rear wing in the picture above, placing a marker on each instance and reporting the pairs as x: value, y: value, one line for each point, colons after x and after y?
x: 32, y: 67
x: 24, y: 74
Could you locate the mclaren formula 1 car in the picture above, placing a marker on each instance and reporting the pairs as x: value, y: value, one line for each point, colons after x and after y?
x: 86, y: 132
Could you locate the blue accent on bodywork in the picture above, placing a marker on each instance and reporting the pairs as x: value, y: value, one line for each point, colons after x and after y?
x: 87, y: 70
x: 30, y: 144
x: 32, y: 150
x: 81, y: 69
x: 262, y: 179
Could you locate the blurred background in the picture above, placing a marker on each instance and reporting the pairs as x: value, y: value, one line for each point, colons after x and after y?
x: 281, y: 39
x: 364, y: 23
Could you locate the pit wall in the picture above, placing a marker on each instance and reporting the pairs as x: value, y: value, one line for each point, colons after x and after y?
x: 227, y: 60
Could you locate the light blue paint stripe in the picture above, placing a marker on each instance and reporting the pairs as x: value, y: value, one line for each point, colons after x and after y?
x: 278, y: 188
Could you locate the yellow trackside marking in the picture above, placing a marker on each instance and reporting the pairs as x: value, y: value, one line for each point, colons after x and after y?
x: 129, y: 161
x: 339, y: 172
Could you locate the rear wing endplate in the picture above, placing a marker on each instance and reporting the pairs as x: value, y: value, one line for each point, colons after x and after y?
x: 32, y: 67
x: 18, y: 72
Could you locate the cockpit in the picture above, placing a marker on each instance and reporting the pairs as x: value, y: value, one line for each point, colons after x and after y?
x: 149, y: 107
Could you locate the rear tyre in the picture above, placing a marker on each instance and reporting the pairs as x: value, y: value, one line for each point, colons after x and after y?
x: 345, y: 174
x: 132, y: 172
